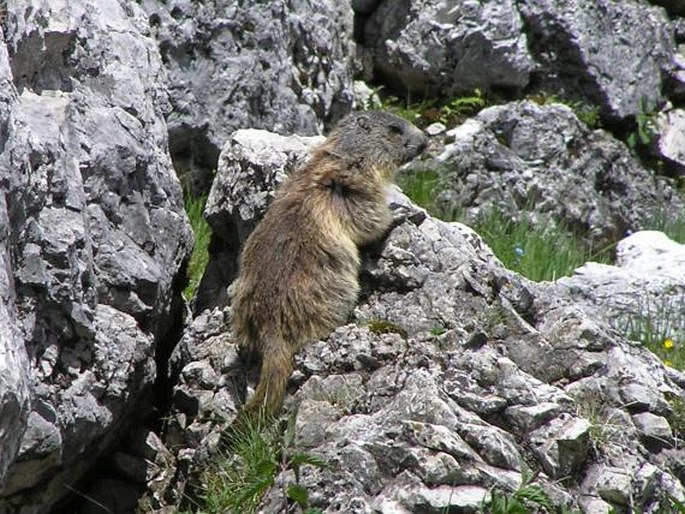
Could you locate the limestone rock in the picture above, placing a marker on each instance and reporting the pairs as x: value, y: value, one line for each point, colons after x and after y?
x: 646, y: 285
x: 92, y: 212
x: 447, y: 48
x: 411, y: 420
x: 283, y: 66
x: 579, y: 45
x: 670, y: 142
x: 14, y: 361
x: 541, y: 162
x: 562, y: 445
x: 675, y: 78
x: 653, y: 427
x: 474, y: 372
x: 612, y: 484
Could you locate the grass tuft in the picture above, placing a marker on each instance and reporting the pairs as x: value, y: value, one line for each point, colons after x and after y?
x: 588, y: 114
x: 241, y: 480
x: 383, y: 326
x: 659, y: 324
x: 539, y: 252
x: 200, y: 256
x: 259, y: 453
x: 677, y: 417
x: 670, y: 223
x: 529, y: 498
x: 424, y: 112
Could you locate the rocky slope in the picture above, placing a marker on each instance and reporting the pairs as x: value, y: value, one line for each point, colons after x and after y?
x: 477, y: 374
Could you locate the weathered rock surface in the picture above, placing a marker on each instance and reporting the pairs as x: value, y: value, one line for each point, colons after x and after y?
x: 283, y: 66
x: 525, y: 159
x: 609, y: 52
x: 475, y: 374
x: 447, y: 48
x: 670, y: 140
x: 14, y: 368
x: 675, y: 79
x: 93, y: 235
x: 643, y: 294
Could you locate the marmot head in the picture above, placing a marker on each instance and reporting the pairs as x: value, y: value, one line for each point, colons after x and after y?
x: 374, y: 138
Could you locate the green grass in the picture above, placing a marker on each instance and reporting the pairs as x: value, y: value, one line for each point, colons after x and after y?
x: 456, y: 110
x: 423, y: 186
x: 424, y: 112
x: 240, y: 480
x: 588, y: 114
x: 383, y: 326
x: 529, y: 498
x: 677, y: 417
x: 200, y: 256
x: 257, y: 454
x: 537, y: 252
x: 645, y: 130
x: 659, y: 324
x: 670, y: 223
x: 677, y: 507
x: 437, y: 331
x: 604, y: 431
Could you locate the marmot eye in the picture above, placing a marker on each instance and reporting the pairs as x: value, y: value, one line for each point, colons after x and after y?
x: 395, y: 129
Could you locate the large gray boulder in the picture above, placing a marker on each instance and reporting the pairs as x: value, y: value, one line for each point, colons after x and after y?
x: 452, y: 375
x: 14, y: 377
x: 283, y: 66
x: 540, y: 161
x: 92, y: 214
x: 610, y: 53
x: 14, y: 368
x: 447, y: 48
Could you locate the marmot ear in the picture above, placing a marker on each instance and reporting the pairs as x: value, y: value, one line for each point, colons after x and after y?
x: 364, y: 122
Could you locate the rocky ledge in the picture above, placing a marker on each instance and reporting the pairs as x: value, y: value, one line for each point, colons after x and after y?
x: 454, y: 377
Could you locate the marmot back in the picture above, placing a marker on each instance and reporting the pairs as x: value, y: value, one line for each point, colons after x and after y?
x: 298, y: 269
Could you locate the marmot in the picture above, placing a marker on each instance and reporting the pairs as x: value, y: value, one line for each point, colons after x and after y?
x: 298, y: 269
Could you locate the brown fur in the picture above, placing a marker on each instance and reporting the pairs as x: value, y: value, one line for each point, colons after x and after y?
x: 298, y: 269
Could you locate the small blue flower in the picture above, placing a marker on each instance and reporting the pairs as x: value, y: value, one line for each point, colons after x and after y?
x: 518, y: 251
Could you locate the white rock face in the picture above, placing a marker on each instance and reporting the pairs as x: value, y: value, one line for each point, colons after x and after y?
x: 651, y: 251
x: 670, y: 144
x: 647, y: 282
